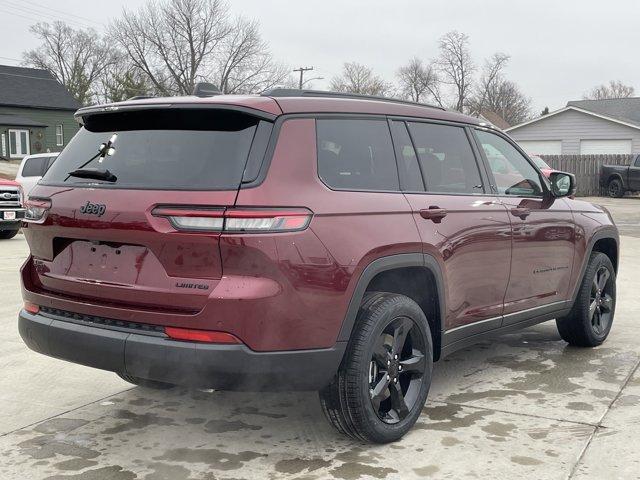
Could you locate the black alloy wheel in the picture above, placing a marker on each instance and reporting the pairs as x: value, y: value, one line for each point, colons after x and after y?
x: 396, y: 370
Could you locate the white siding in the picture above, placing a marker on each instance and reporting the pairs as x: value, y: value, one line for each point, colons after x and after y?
x: 595, y: 147
x: 541, y: 147
x: 570, y: 127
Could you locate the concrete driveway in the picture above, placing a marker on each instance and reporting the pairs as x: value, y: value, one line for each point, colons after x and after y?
x: 523, y: 406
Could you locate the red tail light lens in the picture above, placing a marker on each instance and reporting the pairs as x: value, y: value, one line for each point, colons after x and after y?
x: 37, y: 209
x: 206, y: 336
x: 31, y: 308
x: 236, y: 220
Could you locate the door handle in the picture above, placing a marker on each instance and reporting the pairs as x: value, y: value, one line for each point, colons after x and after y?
x: 433, y: 213
x: 520, y: 212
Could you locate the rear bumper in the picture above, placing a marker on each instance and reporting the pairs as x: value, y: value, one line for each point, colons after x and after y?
x: 156, y: 357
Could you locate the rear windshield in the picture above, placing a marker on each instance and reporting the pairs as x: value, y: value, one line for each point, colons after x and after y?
x: 167, y: 149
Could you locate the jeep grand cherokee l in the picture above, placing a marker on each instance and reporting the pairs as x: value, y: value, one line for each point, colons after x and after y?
x: 303, y: 240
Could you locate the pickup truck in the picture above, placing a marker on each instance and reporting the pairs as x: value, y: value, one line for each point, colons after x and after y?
x: 11, y: 209
x: 618, y: 179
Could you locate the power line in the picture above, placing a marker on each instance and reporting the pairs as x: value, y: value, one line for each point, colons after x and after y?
x: 27, y: 76
x: 302, y: 70
x: 29, y: 12
x: 9, y: 58
x: 65, y: 13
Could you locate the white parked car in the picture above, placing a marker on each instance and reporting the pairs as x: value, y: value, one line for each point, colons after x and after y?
x: 32, y: 168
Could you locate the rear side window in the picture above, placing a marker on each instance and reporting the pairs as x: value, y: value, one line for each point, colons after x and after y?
x: 446, y: 159
x: 177, y: 149
x: 356, y: 154
x: 35, y: 167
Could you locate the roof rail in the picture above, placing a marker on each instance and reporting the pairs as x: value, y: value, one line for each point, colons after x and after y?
x: 294, y: 92
x: 140, y: 97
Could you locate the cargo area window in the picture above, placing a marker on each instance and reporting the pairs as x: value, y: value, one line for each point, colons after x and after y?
x: 164, y: 149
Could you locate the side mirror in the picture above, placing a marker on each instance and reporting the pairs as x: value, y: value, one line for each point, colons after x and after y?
x: 563, y: 184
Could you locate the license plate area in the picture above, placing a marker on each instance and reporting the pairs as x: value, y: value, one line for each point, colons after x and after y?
x: 9, y: 215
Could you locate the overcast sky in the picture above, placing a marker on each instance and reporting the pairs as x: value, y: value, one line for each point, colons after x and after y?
x: 559, y: 49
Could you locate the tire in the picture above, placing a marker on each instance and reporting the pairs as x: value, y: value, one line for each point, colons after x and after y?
x: 143, y: 382
x: 615, y: 188
x: 7, y: 234
x: 589, y: 322
x: 376, y: 397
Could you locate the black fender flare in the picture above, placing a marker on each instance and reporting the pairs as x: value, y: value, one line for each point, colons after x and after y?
x: 608, y: 232
x: 392, y: 262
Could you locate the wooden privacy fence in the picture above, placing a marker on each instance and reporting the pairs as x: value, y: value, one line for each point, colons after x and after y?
x: 586, y: 168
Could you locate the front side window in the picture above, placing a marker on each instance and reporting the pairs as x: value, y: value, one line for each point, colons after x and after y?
x: 59, y: 136
x: 446, y: 159
x: 513, y: 173
x: 356, y: 155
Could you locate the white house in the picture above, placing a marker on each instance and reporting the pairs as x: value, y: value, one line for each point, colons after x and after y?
x: 583, y: 127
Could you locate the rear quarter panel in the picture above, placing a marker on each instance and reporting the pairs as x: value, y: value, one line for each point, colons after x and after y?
x: 350, y: 230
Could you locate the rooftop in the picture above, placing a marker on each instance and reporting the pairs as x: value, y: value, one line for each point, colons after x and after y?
x: 32, y: 87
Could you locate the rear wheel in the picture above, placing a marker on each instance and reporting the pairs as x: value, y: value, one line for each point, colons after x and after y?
x: 384, y: 378
x: 143, y: 382
x: 615, y: 189
x: 589, y: 322
x: 7, y: 234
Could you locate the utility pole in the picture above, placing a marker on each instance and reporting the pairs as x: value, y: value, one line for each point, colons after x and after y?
x: 302, y: 70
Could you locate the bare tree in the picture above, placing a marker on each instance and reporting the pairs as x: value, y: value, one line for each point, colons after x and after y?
x: 493, y: 93
x: 419, y: 82
x: 358, y: 78
x: 244, y: 64
x: 121, y: 83
x: 456, y: 66
x: 614, y: 89
x: 176, y: 43
x: 76, y: 58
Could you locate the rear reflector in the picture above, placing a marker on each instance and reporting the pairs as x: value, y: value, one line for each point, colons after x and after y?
x: 31, y: 308
x: 207, y: 336
x: 236, y: 220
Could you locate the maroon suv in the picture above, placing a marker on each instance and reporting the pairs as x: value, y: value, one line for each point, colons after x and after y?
x: 304, y: 240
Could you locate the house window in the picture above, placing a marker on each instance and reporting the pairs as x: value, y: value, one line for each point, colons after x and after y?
x: 59, y: 136
x: 18, y: 143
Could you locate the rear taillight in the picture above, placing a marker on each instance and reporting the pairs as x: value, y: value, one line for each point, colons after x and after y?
x: 31, y: 308
x: 37, y: 209
x: 236, y: 220
x: 207, y: 336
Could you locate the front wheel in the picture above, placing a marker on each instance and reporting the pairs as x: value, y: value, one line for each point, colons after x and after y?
x: 384, y: 378
x: 589, y: 322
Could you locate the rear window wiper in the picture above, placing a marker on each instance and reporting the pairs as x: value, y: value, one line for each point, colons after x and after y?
x: 94, y: 173
x: 104, y: 150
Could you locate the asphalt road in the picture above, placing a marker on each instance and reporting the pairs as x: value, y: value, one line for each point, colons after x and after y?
x: 523, y: 406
